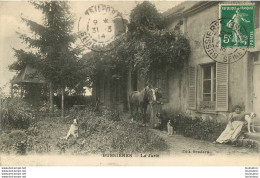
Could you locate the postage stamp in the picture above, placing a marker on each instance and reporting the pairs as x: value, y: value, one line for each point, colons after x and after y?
x: 237, y: 29
x: 100, y: 28
x: 212, y: 41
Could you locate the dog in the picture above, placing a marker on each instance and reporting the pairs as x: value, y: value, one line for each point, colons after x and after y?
x: 250, y: 121
x: 170, y: 128
x: 74, y: 130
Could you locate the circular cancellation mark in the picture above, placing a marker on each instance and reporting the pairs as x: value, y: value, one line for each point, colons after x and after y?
x: 211, y: 43
x: 101, y: 28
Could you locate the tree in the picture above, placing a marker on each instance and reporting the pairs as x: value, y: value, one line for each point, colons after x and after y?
x: 145, y: 17
x: 55, y: 56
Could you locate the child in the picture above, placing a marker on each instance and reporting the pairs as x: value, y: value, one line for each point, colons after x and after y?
x: 170, y: 128
x: 158, y: 122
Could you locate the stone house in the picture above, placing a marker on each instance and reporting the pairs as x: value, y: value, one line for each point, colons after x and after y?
x: 203, y: 87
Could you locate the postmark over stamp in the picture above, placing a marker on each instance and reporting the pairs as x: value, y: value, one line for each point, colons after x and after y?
x: 237, y: 29
x: 211, y: 43
x: 100, y: 28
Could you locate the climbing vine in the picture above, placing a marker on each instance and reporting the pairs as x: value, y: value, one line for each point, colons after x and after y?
x: 147, y: 43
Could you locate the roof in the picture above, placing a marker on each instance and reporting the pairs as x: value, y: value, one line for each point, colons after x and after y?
x: 29, y: 75
x: 179, y: 8
x: 187, y: 7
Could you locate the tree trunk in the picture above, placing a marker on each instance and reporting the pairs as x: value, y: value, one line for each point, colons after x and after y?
x: 129, y: 86
x: 12, y: 90
x: 62, y: 102
x: 21, y: 91
x: 51, y: 99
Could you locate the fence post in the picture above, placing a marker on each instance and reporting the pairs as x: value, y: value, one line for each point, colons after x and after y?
x: 62, y: 102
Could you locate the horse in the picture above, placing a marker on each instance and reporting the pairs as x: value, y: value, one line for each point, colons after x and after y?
x: 141, y: 99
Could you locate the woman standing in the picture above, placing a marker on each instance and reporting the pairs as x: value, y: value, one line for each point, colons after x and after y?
x: 236, y: 121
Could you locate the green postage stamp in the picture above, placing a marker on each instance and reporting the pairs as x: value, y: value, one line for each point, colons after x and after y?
x: 237, y: 25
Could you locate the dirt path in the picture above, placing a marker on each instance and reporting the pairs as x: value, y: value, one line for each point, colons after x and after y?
x: 179, y: 144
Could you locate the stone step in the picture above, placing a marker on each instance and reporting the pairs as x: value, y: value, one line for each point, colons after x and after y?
x: 249, y: 143
x: 253, y: 136
x: 251, y: 140
x: 257, y: 128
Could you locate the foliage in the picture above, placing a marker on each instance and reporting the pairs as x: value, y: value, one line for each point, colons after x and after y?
x: 111, y: 114
x: 145, y: 17
x: 194, y: 127
x: 146, y: 44
x: 162, y: 48
x: 24, y: 58
x: 52, y: 50
x: 16, y: 114
x: 14, y: 142
x: 69, y: 101
x: 97, y: 134
x: 105, y: 135
x: 33, y: 130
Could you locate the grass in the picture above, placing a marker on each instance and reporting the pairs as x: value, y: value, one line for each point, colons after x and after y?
x: 98, y: 134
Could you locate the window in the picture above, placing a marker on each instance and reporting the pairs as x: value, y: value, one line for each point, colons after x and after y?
x: 208, y: 101
x: 209, y: 82
x: 213, y: 84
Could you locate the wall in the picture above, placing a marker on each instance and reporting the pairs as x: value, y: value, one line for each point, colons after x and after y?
x: 195, y: 26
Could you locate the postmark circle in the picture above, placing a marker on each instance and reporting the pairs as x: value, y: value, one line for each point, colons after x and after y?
x: 212, y: 46
x: 101, y: 28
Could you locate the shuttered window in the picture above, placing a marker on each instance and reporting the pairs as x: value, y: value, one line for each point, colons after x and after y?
x: 222, y: 87
x: 209, y: 82
x: 208, y: 100
x: 192, y: 88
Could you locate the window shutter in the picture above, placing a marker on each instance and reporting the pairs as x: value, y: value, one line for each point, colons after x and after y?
x: 192, y: 88
x: 221, y: 87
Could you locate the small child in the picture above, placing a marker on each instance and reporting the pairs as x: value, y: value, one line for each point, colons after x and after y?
x: 170, y: 128
x: 158, y: 121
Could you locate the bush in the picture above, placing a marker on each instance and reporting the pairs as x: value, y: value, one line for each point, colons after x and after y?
x: 69, y: 101
x: 100, y: 134
x: 15, y: 141
x: 16, y: 114
x: 193, y: 127
x: 111, y: 114
x: 33, y: 130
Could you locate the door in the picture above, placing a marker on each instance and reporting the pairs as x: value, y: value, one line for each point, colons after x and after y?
x: 256, y: 85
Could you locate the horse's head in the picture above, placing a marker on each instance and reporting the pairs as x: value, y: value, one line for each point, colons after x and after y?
x: 150, y: 93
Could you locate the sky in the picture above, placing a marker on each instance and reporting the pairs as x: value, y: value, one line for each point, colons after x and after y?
x: 10, y: 23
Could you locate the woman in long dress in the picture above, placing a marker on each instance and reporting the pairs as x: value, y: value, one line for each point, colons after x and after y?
x: 236, y: 121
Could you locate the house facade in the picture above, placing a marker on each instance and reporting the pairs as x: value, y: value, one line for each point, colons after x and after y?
x: 203, y: 87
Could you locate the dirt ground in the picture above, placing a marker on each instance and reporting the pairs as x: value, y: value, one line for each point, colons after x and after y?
x: 183, y: 146
x: 180, y: 145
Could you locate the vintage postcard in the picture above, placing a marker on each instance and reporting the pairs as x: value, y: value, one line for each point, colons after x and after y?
x: 129, y: 83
